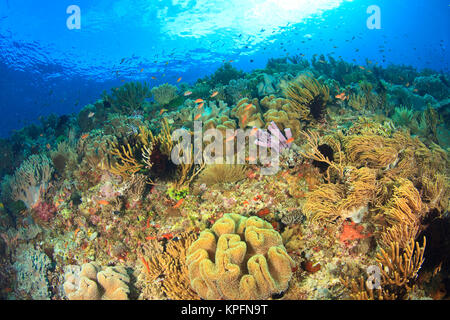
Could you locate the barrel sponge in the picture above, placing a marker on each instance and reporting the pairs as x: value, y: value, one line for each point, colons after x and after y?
x: 97, y: 283
x: 239, y: 258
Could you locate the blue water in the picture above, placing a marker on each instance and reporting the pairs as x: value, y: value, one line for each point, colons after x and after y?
x: 47, y: 68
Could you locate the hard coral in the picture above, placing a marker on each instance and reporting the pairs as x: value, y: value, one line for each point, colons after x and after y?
x: 239, y: 258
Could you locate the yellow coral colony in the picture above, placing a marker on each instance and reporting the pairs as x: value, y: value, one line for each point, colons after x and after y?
x: 239, y: 258
x: 308, y: 97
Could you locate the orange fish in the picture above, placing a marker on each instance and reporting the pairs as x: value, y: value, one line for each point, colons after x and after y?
x: 198, y: 101
x: 362, y: 68
x: 187, y: 93
x: 200, y: 105
x: 254, y: 131
x: 244, y: 119
x: 154, y: 78
x: 167, y: 236
x: 290, y: 140
x: 197, y: 116
x: 179, y: 79
x: 250, y: 159
x: 162, y: 111
x: 76, y: 232
x: 103, y: 202
x: 142, y: 69
x: 150, y: 238
x: 48, y: 146
x: 231, y: 61
x: 214, y: 94
x: 341, y: 96
x: 178, y: 204
x: 263, y: 212
x: 248, y: 106
x: 230, y: 138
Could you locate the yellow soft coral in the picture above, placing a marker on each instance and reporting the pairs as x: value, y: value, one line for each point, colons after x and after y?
x: 239, y: 258
x: 248, y: 113
x: 97, y: 283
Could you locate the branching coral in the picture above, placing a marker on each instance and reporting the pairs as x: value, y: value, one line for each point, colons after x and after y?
x: 170, y: 266
x: 308, y: 97
x: 127, y: 164
x: 399, y: 268
x: 360, y: 290
x: 239, y: 258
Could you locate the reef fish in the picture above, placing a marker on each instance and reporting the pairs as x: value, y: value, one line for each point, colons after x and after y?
x: 178, y: 204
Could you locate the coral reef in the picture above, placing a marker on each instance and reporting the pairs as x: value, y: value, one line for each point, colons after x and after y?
x: 94, y: 207
x: 260, y: 251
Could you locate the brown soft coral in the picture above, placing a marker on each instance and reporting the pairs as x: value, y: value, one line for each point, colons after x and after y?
x: 248, y: 113
x: 239, y: 258
x: 282, y: 113
x: 97, y: 283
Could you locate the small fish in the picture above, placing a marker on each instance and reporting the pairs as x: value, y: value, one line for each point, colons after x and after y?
x: 250, y: 159
x: 187, y: 93
x: 244, y: 119
x: 162, y: 111
x: 248, y: 106
x: 362, y: 68
x: 142, y: 70
x: 201, y: 105
x: 167, y: 236
x: 290, y: 140
x: 198, y: 101
x: 154, y: 78
x: 178, y: 204
x: 2, y: 205
x: 179, y: 79
x: 254, y: 131
x: 263, y: 212
x: 341, y: 96
x: 231, y: 138
x: 84, y: 136
x: 150, y: 238
x: 48, y: 146
x: 91, y: 114
x: 103, y: 202
x: 198, y: 116
x: 214, y: 94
